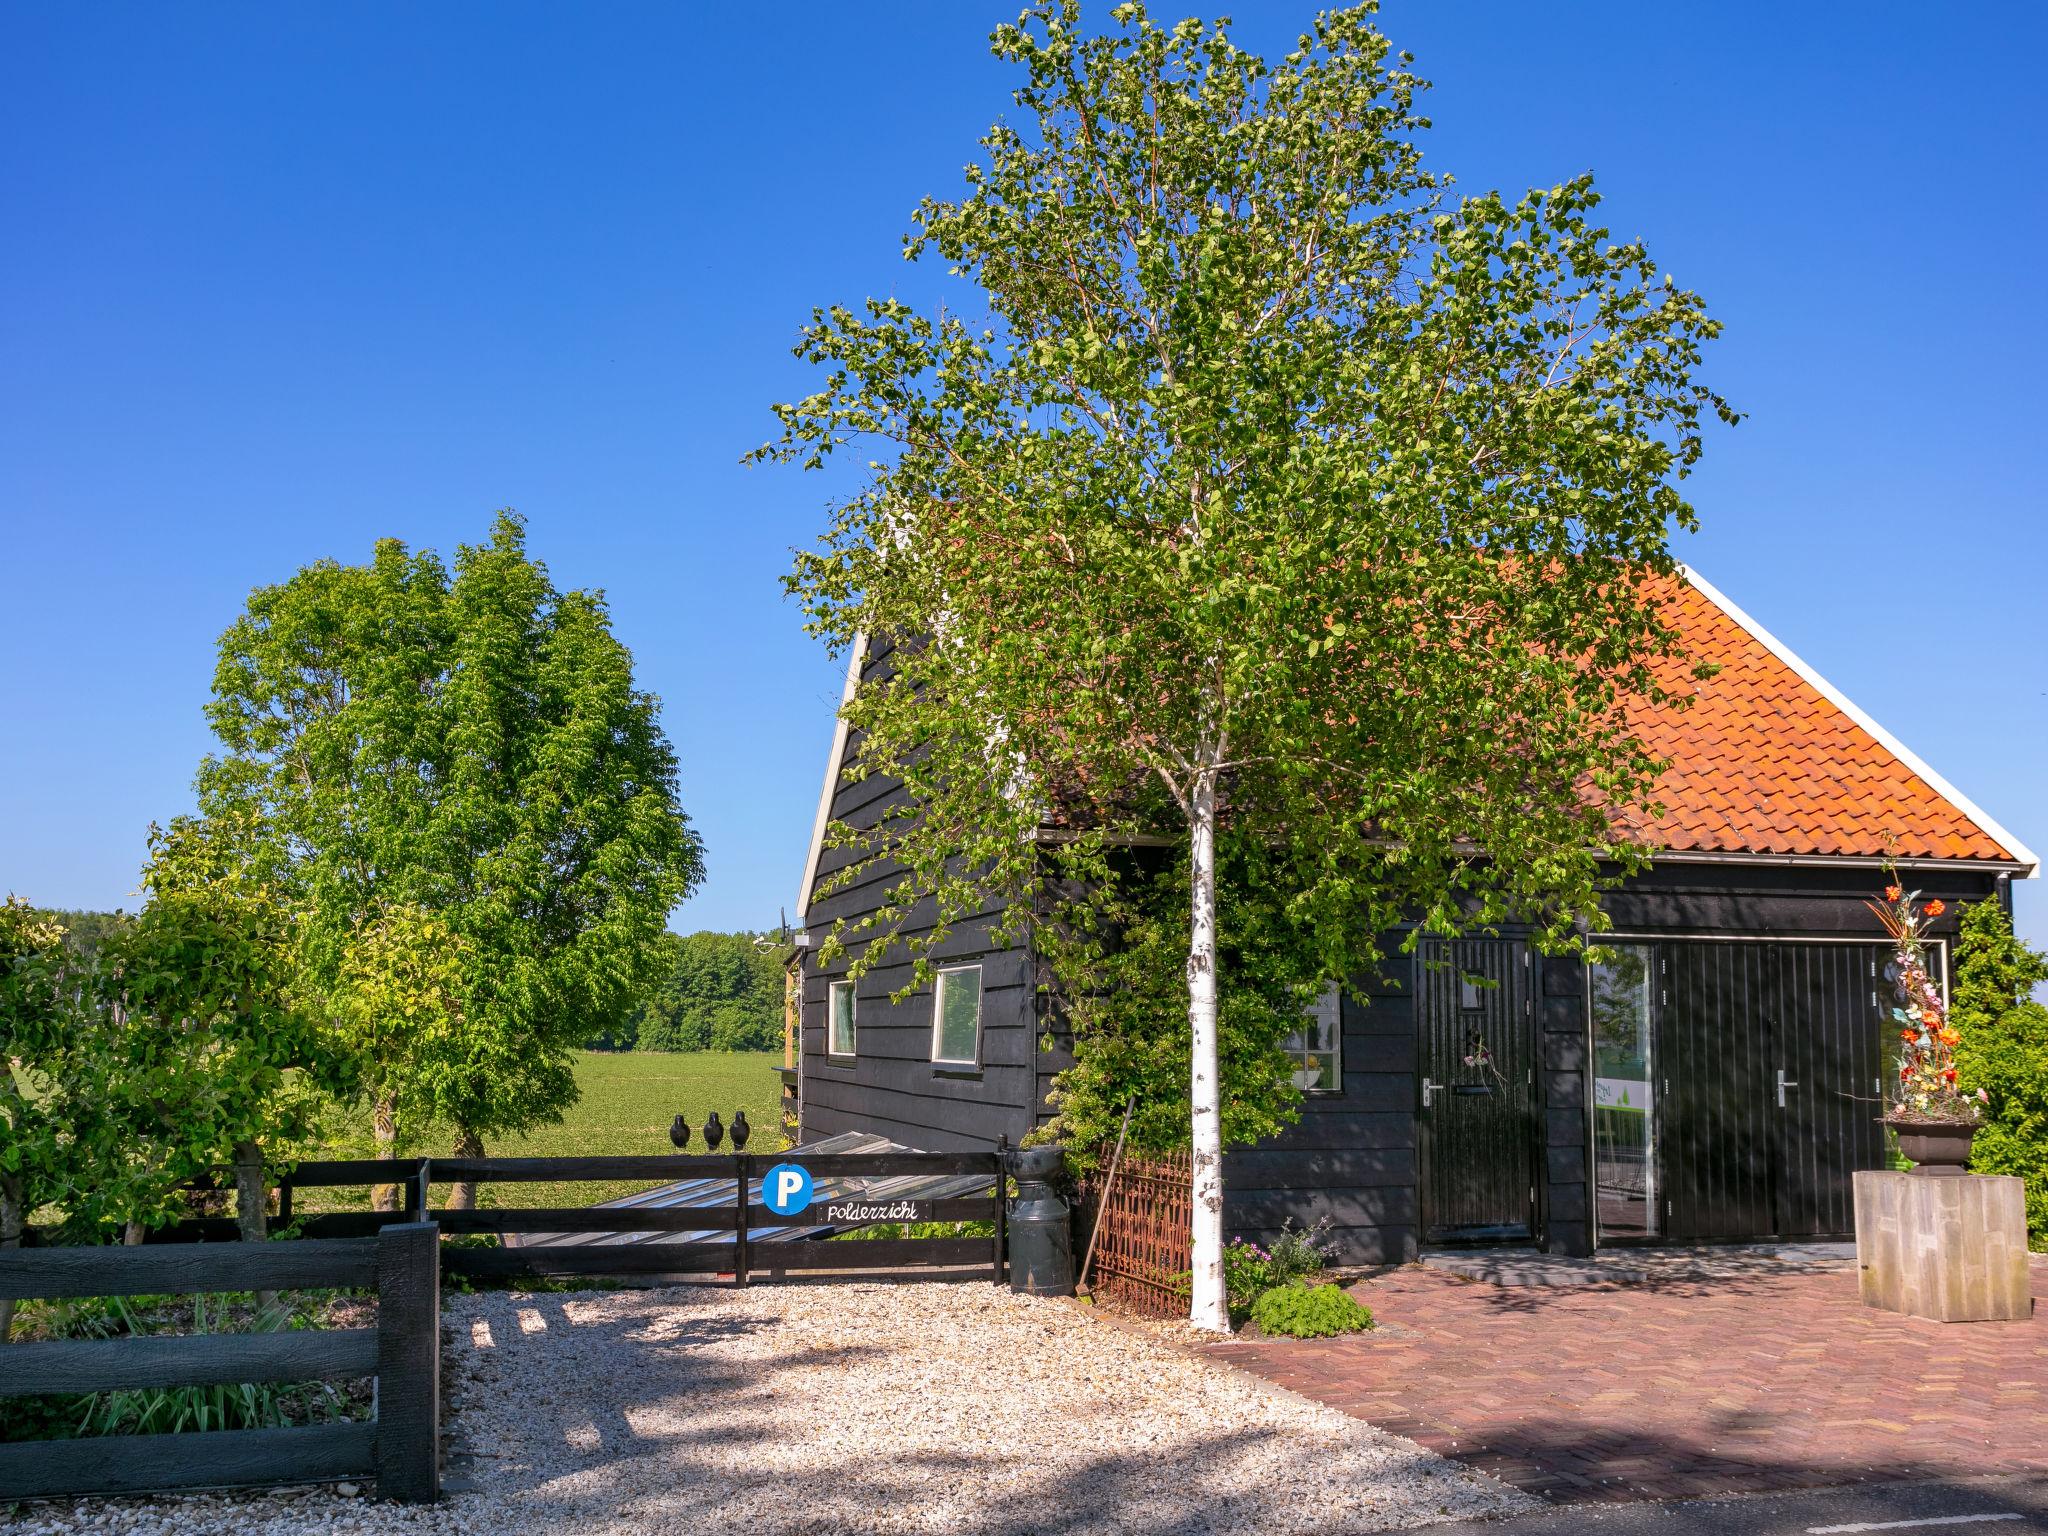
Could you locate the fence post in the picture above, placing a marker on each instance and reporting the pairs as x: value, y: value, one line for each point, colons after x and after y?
x: 1002, y: 1205
x: 409, y: 1362
x: 741, y: 1259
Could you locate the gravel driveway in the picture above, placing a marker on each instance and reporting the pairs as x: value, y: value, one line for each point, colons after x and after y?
x: 856, y: 1408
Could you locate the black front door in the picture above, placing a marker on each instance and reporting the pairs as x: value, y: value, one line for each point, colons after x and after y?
x: 1774, y: 1060
x: 1477, y: 1066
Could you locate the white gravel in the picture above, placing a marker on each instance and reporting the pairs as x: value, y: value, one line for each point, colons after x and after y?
x: 853, y: 1408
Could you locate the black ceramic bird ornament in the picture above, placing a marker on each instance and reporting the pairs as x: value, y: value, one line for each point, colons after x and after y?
x: 714, y: 1133
x: 679, y: 1132
x: 740, y: 1130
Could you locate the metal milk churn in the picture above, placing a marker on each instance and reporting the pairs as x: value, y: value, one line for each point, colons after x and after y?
x: 1041, y: 1226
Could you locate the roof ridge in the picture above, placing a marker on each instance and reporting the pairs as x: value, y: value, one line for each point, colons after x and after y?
x: 1983, y: 822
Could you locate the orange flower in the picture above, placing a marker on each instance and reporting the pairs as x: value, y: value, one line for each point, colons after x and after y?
x: 1892, y: 893
x: 1935, y: 908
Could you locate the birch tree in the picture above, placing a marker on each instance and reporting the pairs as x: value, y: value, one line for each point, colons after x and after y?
x: 1254, y: 483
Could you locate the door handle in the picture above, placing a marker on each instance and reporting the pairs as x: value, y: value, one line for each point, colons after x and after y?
x: 1783, y: 1083
x: 1429, y: 1091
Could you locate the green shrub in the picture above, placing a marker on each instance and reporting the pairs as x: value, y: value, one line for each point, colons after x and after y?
x: 1249, y: 1271
x: 1247, y: 1275
x: 171, y: 1410
x: 2004, y: 1052
x: 1309, y: 1312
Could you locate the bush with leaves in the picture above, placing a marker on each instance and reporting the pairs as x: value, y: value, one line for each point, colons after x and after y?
x: 2003, y: 1050
x: 1310, y: 1312
x: 33, y: 1153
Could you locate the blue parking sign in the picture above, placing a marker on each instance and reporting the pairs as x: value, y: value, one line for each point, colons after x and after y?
x: 786, y: 1189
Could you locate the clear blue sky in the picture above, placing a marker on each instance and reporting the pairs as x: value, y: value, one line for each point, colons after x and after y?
x: 278, y: 280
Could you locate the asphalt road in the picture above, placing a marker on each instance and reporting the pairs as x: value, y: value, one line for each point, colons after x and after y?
x: 1990, y: 1506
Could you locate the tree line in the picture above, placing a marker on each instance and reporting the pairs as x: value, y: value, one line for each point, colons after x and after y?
x: 711, y: 992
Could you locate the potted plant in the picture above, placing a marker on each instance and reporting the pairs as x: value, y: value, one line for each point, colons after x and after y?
x: 1933, y: 1118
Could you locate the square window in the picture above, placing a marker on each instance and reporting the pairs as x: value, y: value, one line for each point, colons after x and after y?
x: 839, y: 1028
x: 956, y: 1017
x: 1317, y: 1050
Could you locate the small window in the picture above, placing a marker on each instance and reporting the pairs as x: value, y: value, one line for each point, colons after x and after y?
x: 1471, y: 996
x: 1318, y: 1050
x: 956, y: 1017
x: 839, y: 1029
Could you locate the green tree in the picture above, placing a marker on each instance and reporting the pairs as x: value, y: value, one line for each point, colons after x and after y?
x: 1285, y: 498
x: 31, y: 1030
x: 2004, y: 1052
x: 209, y: 1063
x: 86, y: 933
x: 469, y: 745
x: 718, y: 991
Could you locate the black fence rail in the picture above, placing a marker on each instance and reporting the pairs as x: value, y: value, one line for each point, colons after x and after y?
x: 400, y: 1448
x: 761, y: 1245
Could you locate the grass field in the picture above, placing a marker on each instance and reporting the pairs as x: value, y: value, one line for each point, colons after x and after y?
x: 629, y: 1098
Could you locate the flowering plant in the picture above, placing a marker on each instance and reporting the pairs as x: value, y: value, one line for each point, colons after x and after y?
x: 1926, y: 1089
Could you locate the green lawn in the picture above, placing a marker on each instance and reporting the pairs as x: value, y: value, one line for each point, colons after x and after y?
x: 629, y: 1098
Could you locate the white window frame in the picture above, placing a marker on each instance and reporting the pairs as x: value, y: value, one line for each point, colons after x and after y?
x: 852, y: 1021
x: 939, y: 1014
x: 1300, y: 1045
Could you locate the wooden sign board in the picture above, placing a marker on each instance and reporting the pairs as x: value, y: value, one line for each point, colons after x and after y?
x: 855, y: 1210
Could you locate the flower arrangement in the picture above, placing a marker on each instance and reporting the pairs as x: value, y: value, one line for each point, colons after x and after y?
x: 1925, y: 1092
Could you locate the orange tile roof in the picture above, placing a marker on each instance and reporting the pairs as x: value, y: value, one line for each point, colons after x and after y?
x: 1765, y: 761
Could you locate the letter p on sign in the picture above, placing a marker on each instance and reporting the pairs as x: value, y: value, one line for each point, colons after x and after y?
x: 786, y: 1189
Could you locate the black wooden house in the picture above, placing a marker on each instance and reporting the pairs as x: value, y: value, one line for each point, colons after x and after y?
x: 1718, y: 1079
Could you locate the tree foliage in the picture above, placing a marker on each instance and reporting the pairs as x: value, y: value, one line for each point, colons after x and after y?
x: 713, y: 992
x: 86, y: 933
x: 1282, y: 490
x: 33, y: 1136
x: 2004, y: 1051
x: 471, y: 810
x: 1129, y: 942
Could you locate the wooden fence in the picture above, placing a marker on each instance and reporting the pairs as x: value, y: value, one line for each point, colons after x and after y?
x: 698, y: 1246
x: 1142, y: 1254
x: 400, y: 1448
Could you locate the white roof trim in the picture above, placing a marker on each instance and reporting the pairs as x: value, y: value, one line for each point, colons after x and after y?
x: 855, y: 659
x: 1827, y: 690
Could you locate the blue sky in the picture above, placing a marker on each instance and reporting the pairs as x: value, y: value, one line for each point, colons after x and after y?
x: 276, y: 281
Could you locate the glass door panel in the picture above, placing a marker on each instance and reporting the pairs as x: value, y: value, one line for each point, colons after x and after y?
x: 1624, y: 1100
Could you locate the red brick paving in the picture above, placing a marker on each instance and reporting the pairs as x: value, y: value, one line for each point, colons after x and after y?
x: 1681, y: 1388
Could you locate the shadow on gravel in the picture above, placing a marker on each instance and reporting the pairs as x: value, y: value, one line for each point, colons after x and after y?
x: 684, y: 1438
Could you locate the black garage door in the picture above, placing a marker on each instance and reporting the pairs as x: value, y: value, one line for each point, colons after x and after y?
x: 1771, y: 1057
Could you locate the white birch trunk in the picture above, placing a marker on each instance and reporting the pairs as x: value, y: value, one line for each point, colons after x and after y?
x: 1208, y: 1306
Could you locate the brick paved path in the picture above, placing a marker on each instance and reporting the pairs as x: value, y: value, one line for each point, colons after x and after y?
x: 1680, y: 1388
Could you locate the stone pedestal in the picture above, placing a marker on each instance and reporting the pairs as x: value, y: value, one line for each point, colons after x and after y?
x: 1954, y: 1250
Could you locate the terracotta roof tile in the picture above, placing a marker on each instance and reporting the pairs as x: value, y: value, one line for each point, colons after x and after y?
x: 1765, y: 762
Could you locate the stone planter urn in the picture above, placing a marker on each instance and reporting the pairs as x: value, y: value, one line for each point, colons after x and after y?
x: 1936, y: 1150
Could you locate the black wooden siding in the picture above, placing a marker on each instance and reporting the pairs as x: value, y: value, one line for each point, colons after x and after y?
x: 1353, y: 1155
x: 891, y: 1085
